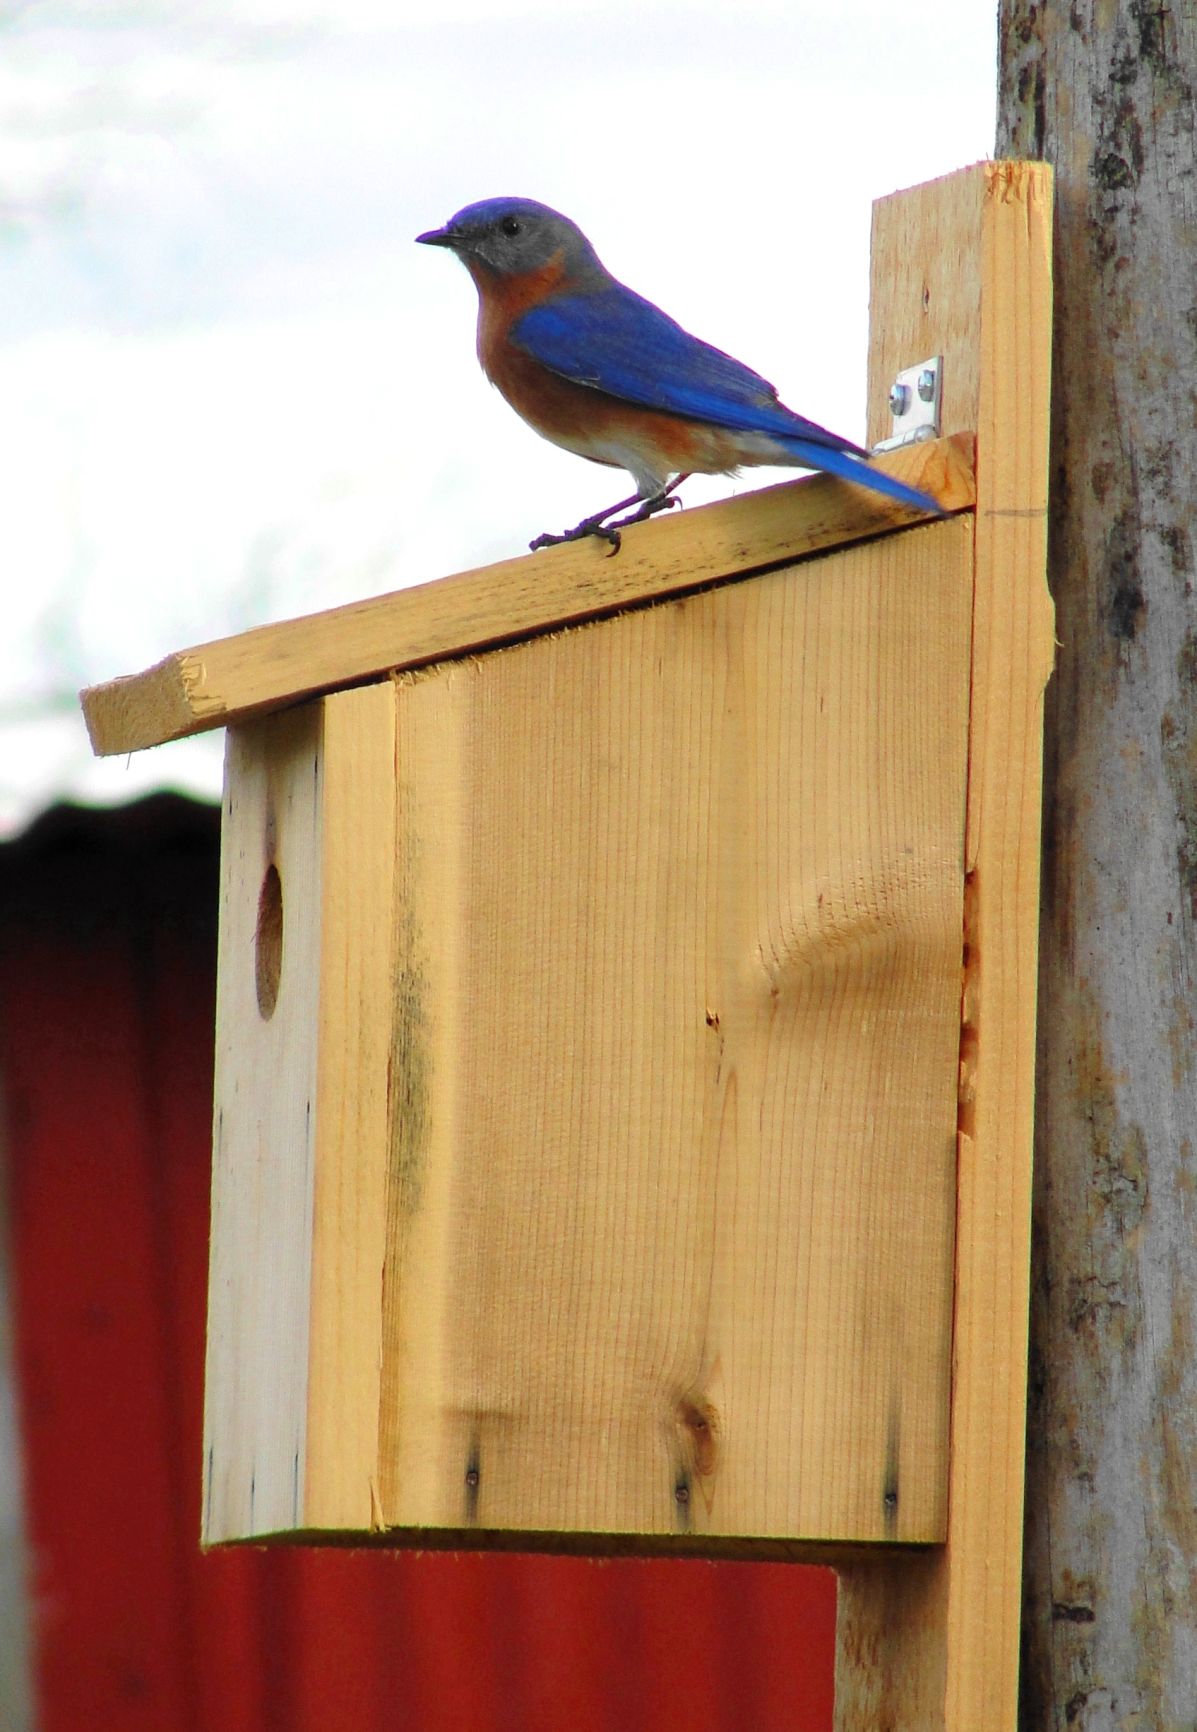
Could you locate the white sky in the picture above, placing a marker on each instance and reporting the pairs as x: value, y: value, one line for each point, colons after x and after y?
x: 233, y: 390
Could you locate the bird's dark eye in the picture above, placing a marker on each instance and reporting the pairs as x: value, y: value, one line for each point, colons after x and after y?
x: 511, y: 225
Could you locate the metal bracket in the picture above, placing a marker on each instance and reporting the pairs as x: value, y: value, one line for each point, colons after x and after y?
x: 915, y: 398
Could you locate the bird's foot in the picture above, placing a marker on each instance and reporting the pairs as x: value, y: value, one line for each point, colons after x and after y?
x: 588, y: 526
x: 599, y: 526
x: 649, y: 508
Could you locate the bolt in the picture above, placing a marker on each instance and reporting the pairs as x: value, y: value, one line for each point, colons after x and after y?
x: 899, y: 398
x: 927, y: 385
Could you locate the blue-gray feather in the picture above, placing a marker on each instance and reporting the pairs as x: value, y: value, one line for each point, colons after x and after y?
x: 617, y: 342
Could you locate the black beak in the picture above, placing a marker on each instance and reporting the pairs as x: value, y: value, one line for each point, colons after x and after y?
x: 439, y: 238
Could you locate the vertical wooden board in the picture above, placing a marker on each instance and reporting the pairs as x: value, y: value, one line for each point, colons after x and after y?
x: 963, y: 267
x: 256, y: 1379
x: 349, y: 1210
x: 433, y: 817
x: 1014, y: 652
x: 300, y: 1162
x: 669, y: 1230
x: 928, y: 239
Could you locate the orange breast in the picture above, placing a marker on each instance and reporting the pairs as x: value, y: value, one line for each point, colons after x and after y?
x: 583, y: 420
x: 501, y: 300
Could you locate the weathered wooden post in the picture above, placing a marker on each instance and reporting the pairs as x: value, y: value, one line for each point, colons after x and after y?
x: 1107, y: 94
x: 626, y: 1021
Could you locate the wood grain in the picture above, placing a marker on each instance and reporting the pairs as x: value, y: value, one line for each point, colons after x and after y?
x: 674, y: 944
x: 686, y: 975
x: 301, y: 1116
x: 217, y: 683
x: 1110, y: 1588
x: 962, y: 267
x: 352, y: 1105
x: 264, y: 1143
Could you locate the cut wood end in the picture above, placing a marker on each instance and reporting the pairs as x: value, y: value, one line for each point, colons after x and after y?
x: 944, y: 468
x: 1018, y: 178
x: 165, y: 702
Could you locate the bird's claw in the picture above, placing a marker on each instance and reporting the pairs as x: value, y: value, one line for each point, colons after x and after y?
x: 590, y: 526
x: 598, y: 525
x: 649, y: 509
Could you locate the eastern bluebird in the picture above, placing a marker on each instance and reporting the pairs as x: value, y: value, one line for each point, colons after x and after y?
x: 598, y: 369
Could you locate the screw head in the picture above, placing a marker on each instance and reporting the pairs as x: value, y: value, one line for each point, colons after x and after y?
x: 926, y: 385
x: 899, y: 399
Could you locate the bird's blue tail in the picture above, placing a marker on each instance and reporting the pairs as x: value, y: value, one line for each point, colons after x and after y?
x: 854, y: 469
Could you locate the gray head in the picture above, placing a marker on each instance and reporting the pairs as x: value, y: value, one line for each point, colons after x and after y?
x: 513, y: 236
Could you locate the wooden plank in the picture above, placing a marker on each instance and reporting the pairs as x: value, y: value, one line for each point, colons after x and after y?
x: 962, y: 267
x: 301, y: 1116
x: 264, y: 1143
x: 218, y: 683
x: 669, y: 1233
x: 358, y: 795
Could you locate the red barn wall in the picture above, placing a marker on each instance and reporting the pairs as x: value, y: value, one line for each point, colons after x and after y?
x: 107, y: 955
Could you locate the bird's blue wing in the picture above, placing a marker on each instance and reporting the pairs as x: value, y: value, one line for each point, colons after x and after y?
x: 617, y: 342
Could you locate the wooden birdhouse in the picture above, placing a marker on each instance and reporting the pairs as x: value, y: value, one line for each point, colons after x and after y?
x: 626, y: 1018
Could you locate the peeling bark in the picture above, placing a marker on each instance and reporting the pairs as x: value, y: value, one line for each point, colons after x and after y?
x: 1105, y: 91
